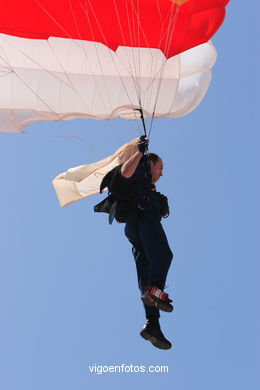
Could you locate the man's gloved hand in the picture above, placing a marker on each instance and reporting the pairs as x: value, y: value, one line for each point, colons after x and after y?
x: 143, y: 144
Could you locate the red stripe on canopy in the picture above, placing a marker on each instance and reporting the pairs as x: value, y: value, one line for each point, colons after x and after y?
x: 140, y: 23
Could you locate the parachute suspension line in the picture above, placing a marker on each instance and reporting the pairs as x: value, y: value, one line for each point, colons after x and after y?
x: 147, y: 86
x: 109, y: 50
x: 37, y: 95
x: 55, y: 115
x: 169, y: 37
x: 4, y: 58
x: 33, y: 61
x: 82, y: 140
x: 73, y: 40
x: 159, y: 11
x: 153, y: 76
x: 58, y: 118
x: 143, y: 100
x: 136, y: 12
x: 67, y: 76
x: 135, y: 74
x: 86, y: 57
x: 155, y: 64
x: 112, y: 57
x: 151, y: 125
x: 155, y: 81
x: 133, y: 71
x: 137, y: 63
x: 69, y: 85
x: 69, y: 79
x: 83, y: 49
x: 135, y: 42
x: 86, y: 12
x: 98, y: 56
x: 100, y: 66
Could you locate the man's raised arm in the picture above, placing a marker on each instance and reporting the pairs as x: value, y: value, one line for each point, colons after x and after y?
x: 129, y: 167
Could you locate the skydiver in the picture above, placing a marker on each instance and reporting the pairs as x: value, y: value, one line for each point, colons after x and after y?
x: 133, y: 199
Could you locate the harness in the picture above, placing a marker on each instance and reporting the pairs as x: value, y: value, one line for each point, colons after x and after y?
x: 123, y: 194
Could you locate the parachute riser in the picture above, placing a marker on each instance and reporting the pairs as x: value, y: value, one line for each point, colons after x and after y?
x: 142, y: 118
x: 144, y: 125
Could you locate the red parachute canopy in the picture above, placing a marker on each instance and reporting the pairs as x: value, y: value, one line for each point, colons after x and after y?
x: 170, y: 25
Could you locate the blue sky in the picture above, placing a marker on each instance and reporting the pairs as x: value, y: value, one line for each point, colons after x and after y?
x: 61, y: 269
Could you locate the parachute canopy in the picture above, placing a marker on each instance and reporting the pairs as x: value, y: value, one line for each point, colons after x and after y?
x: 172, y: 26
x: 60, y: 79
x: 104, y: 59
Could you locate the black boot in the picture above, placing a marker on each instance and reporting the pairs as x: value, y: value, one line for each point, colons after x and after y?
x: 152, y: 332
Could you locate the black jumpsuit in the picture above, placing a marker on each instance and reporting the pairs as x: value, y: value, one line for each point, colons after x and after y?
x: 144, y: 230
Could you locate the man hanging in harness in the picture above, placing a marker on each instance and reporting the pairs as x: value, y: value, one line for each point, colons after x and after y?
x: 133, y: 199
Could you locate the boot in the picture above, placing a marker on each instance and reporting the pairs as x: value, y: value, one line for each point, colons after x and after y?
x: 152, y: 332
x: 153, y: 296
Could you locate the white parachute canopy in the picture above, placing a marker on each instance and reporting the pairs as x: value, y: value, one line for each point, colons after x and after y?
x: 83, y: 181
x: 65, y: 79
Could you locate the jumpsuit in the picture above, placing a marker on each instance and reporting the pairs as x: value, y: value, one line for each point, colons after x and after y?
x: 144, y: 230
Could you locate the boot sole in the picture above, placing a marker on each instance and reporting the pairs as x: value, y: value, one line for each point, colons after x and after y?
x: 157, y: 303
x: 156, y: 343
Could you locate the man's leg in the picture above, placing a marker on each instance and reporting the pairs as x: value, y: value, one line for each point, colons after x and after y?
x: 142, y: 267
x: 151, y: 330
x: 156, y: 251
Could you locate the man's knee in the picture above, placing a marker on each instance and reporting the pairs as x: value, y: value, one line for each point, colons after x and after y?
x: 169, y: 256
